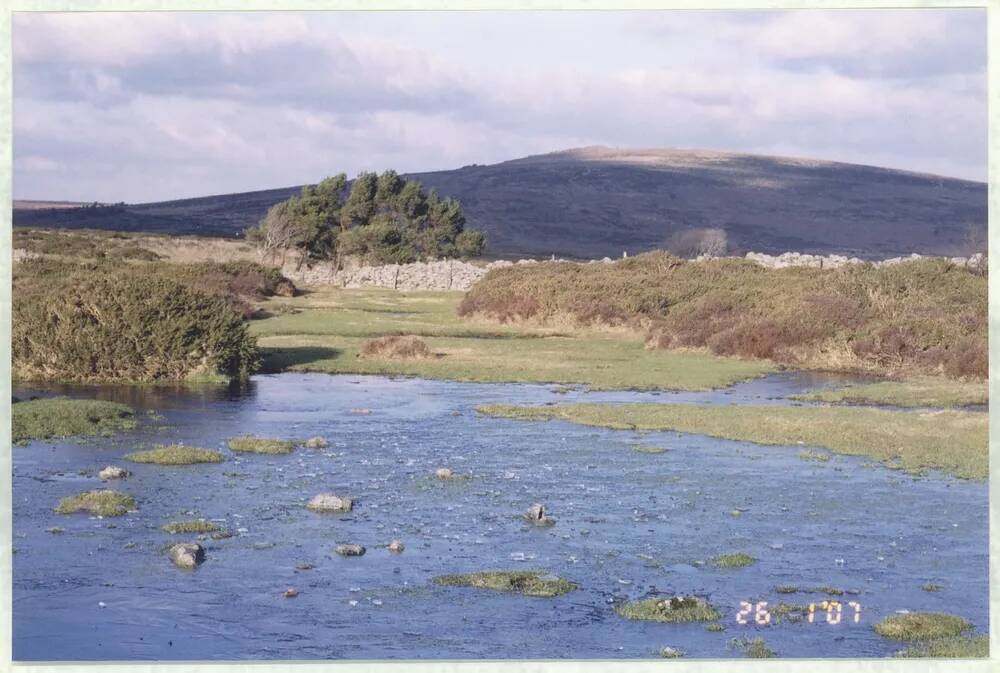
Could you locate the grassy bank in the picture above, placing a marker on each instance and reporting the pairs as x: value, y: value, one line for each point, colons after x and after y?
x: 925, y: 392
x: 326, y: 330
x: 926, y: 316
x: 951, y: 441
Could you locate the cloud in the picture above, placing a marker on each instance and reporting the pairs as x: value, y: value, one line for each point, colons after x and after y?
x: 167, y: 105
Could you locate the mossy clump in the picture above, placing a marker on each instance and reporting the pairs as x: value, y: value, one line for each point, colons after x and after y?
x: 249, y: 444
x: 669, y: 610
x: 829, y: 591
x: 921, y: 626
x: 101, y: 503
x: 956, y: 647
x: 175, y: 454
x: 523, y: 582
x: 931, y: 587
x: 64, y: 417
x: 754, y: 648
x: 396, y: 347
x: 715, y: 627
x: 199, y: 526
x: 786, y: 589
x: 670, y: 653
x: 739, y: 560
x: 650, y: 449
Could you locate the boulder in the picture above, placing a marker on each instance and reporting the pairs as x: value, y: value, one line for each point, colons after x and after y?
x: 291, y: 593
x: 536, y: 515
x: 444, y: 473
x: 396, y: 547
x: 186, y: 554
x: 350, y: 550
x: 328, y: 502
x: 112, y: 472
x: 316, y: 443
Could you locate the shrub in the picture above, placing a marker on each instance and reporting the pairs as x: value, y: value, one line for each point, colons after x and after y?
x: 63, y: 417
x: 396, y: 347
x: 128, y: 325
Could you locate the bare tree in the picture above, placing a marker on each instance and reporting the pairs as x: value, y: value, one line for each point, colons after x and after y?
x: 976, y: 248
x: 695, y: 242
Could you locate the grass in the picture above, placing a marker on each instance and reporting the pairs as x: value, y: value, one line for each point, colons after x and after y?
x: 924, y: 392
x: 101, y: 503
x: 952, y: 441
x: 59, y: 417
x: 175, y: 454
x: 249, y: 444
x: 525, y: 583
x: 931, y: 587
x: 669, y: 610
x: 921, y: 626
x: 956, y: 647
x: 754, y: 648
x: 199, y: 526
x: 332, y: 326
x: 397, y: 347
x: 738, y: 560
x: 649, y: 449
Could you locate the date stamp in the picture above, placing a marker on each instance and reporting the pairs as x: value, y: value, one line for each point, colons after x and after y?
x: 829, y: 612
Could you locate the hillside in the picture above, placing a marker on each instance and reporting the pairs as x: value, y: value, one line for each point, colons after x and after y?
x: 597, y: 201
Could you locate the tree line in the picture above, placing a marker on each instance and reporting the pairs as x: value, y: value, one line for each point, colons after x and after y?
x: 382, y: 219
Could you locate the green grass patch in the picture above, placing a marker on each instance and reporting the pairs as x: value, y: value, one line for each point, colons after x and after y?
x: 674, y: 610
x: 329, y: 334
x: 921, y: 626
x: 175, y: 454
x: 525, y: 583
x: 951, y: 441
x: 754, y: 648
x: 738, y: 560
x: 101, y: 503
x: 199, y: 526
x: 248, y: 444
x: 957, y: 647
x: 64, y: 417
x: 924, y: 392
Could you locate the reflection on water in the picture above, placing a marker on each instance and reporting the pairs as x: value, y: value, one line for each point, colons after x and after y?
x: 629, y: 524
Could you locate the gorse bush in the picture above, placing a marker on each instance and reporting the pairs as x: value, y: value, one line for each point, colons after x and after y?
x: 923, y: 316
x: 87, y: 323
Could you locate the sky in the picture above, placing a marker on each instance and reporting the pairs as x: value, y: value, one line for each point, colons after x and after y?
x: 142, y: 107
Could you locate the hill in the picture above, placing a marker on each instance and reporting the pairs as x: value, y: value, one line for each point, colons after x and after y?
x: 598, y: 201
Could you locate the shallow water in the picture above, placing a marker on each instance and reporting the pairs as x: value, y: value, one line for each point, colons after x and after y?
x: 629, y: 525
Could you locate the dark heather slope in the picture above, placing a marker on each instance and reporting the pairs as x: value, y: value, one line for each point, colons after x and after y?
x: 598, y: 201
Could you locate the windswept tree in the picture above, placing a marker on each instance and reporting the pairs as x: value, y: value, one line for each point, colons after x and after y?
x: 383, y: 219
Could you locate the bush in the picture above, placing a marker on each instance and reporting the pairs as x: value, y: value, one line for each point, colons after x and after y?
x: 926, y: 316
x: 129, y: 325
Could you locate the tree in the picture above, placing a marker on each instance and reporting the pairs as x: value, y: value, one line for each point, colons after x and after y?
x: 695, y: 242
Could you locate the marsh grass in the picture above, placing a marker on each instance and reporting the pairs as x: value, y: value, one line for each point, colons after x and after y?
x: 175, y: 454
x: 956, y: 647
x: 199, y: 526
x: 330, y: 331
x: 250, y: 444
x: 922, y: 392
x: 738, y: 560
x: 921, y: 626
x: 100, y: 503
x: 754, y: 648
x: 678, y: 609
x: 525, y: 583
x: 952, y: 441
x: 59, y: 417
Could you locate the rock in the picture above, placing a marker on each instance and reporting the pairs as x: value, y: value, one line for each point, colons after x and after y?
x: 444, y: 473
x: 113, y: 472
x: 186, y: 554
x: 350, y: 550
x: 221, y: 535
x: 361, y: 411
x: 291, y: 593
x: 305, y: 566
x: 536, y: 515
x: 328, y: 502
x: 316, y: 443
x: 396, y: 547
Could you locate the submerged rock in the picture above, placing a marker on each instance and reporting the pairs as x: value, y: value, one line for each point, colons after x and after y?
x: 350, y: 550
x: 329, y: 502
x: 316, y: 443
x: 536, y: 515
x: 291, y: 593
x: 186, y: 554
x: 396, y: 547
x: 113, y: 472
x: 444, y: 473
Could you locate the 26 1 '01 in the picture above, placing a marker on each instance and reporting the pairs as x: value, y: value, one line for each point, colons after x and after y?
x: 834, y: 611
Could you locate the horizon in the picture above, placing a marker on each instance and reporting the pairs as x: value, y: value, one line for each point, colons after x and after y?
x: 219, y: 103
